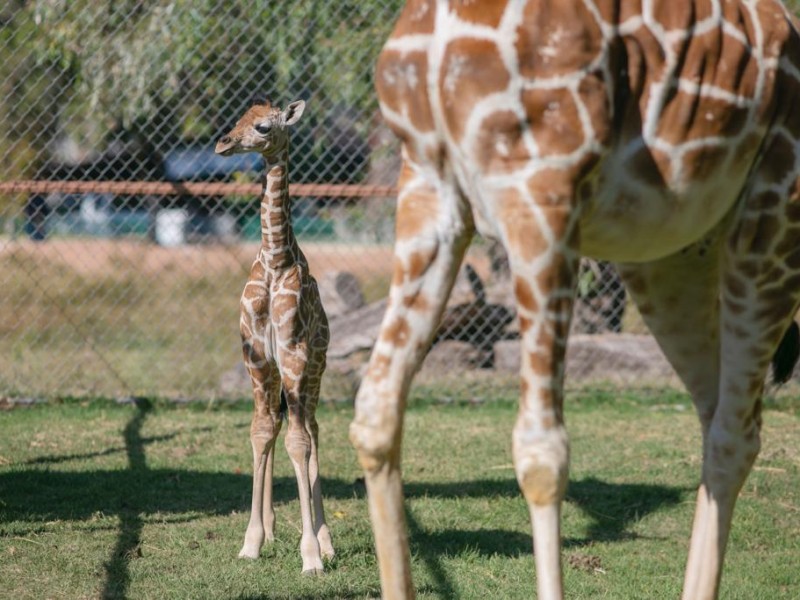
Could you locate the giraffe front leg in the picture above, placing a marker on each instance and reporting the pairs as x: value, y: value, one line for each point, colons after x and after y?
x: 540, y: 238
x: 264, y: 431
x: 433, y: 231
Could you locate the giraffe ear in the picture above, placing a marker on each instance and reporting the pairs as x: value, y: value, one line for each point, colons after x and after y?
x: 293, y: 112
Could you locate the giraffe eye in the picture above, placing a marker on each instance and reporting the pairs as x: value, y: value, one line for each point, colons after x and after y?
x: 263, y: 128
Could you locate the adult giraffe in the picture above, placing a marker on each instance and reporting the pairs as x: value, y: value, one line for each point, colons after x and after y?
x: 661, y: 135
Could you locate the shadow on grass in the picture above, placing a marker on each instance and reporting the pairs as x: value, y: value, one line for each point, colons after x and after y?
x: 613, y: 507
x: 43, y: 494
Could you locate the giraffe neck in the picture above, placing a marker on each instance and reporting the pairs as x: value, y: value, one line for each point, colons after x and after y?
x: 278, y: 243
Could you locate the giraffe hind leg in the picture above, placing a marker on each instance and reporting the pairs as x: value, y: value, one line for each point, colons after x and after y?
x: 314, y: 372
x: 298, y: 447
x: 760, y: 292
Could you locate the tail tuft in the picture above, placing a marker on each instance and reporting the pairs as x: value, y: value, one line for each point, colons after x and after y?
x: 786, y: 355
x: 284, y: 405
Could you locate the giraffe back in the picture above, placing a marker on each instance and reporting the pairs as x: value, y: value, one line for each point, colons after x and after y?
x: 659, y: 109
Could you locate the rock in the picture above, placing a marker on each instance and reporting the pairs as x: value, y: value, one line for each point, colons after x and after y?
x: 340, y: 292
x: 356, y: 330
x: 617, y: 357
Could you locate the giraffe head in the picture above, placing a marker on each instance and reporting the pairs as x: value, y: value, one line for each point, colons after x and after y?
x: 263, y: 128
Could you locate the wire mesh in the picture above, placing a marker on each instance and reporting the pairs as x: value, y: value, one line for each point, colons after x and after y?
x: 123, y: 290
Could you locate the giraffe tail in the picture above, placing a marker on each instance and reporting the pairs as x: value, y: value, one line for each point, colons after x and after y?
x: 284, y: 405
x: 786, y: 355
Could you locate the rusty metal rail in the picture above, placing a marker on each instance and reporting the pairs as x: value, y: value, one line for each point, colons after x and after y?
x: 169, y: 188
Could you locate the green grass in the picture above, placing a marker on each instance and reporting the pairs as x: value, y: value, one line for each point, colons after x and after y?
x: 99, y: 500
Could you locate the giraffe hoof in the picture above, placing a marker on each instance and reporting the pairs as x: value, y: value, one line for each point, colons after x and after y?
x: 325, y: 544
x: 249, y: 553
x: 313, y: 572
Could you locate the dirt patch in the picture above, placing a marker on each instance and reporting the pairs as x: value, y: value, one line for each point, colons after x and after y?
x: 588, y: 563
x: 103, y: 257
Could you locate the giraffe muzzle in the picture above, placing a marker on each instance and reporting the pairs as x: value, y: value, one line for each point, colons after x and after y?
x: 224, y: 146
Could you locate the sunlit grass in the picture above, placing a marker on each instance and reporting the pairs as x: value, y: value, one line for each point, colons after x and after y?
x: 106, y: 500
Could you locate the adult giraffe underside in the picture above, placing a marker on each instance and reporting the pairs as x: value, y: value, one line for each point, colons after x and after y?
x: 660, y: 135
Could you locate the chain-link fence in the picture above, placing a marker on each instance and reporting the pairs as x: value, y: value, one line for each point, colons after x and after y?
x: 125, y: 242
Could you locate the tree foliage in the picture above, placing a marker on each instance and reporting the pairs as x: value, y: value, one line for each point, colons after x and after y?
x: 180, y: 71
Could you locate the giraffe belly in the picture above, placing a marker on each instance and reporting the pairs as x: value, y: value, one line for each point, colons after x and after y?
x: 624, y: 224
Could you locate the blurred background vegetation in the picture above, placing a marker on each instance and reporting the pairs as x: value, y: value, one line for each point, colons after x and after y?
x: 80, y: 75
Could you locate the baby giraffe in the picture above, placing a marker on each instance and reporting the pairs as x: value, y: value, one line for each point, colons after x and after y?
x: 285, y: 338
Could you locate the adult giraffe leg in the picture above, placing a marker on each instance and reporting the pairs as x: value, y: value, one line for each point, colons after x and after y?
x: 759, y: 296
x: 678, y: 298
x: 434, y: 227
x: 541, y: 240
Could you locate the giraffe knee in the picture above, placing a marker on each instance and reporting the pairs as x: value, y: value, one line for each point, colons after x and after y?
x: 298, y: 445
x: 731, y: 453
x: 542, y: 466
x: 375, y: 438
x: 374, y: 444
x: 263, y: 431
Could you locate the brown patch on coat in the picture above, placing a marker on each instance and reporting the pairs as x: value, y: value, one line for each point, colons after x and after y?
x: 418, y: 302
x: 281, y: 303
x: 524, y: 295
x: 499, y: 146
x: 485, y: 13
x: 554, y: 191
x: 767, y: 228
x: 674, y: 15
x: 733, y: 307
x: 418, y: 17
x: 397, y: 332
x: 419, y: 262
x: 403, y: 94
x: 522, y: 231
x: 379, y: 367
x: 556, y: 38
x: 398, y: 272
x: 471, y: 70
x: 415, y: 209
x: 593, y: 93
x: 292, y: 363
x: 554, y: 120
x: 689, y: 116
x: 734, y: 286
x: 778, y: 159
x: 758, y: 233
x: 541, y: 363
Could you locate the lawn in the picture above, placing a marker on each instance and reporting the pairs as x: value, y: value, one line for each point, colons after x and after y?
x: 99, y: 500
